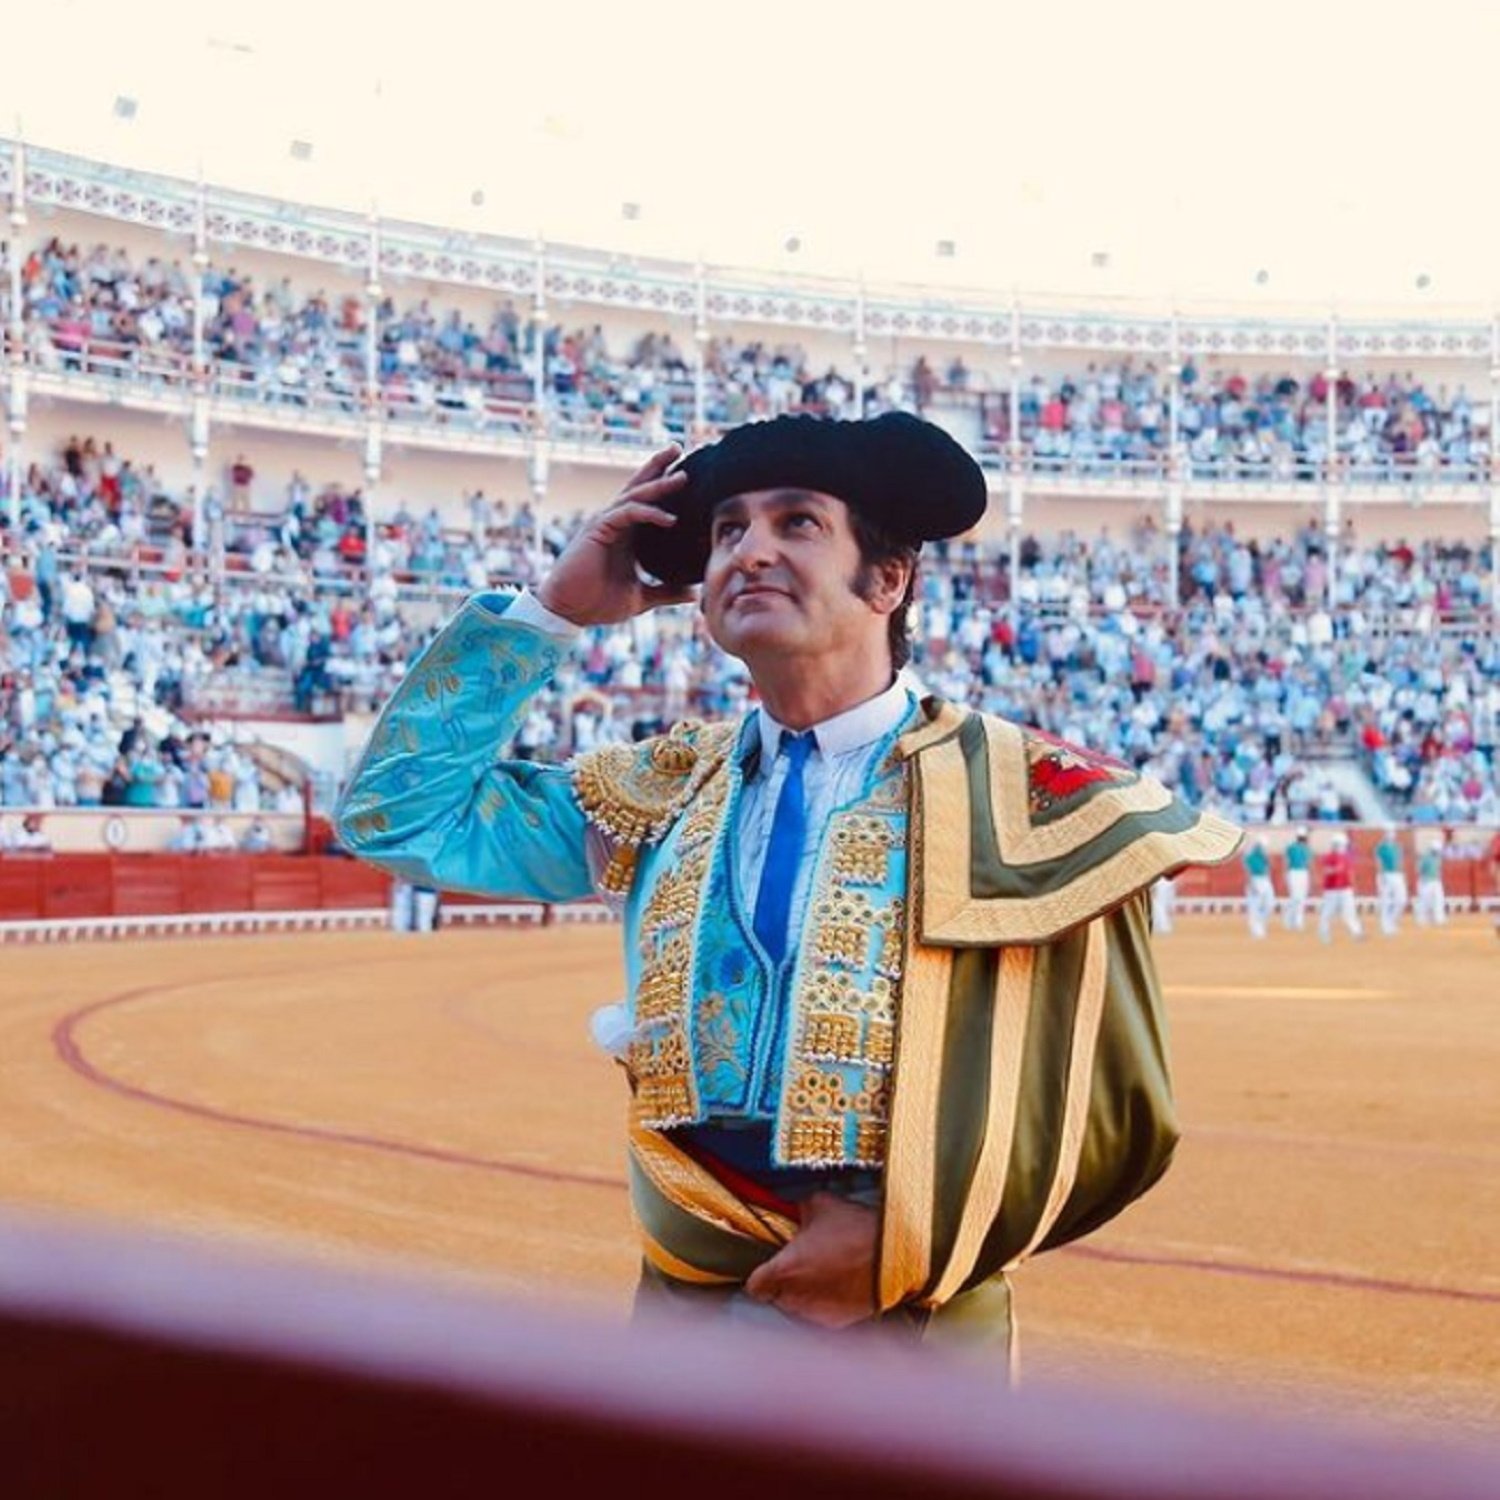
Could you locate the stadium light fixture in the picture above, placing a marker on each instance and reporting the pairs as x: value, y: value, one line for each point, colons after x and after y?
x: 630, y: 211
x: 301, y: 150
x: 792, y: 244
x: 125, y: 107
x: 1262, y: 277
x: 1100, y: 260
x: 947, y: 249
x: 476, y: 198
x: 1423, y: 282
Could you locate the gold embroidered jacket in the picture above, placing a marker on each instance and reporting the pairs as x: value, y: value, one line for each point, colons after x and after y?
x: 992, y: 1036
x: 1025, y: 1098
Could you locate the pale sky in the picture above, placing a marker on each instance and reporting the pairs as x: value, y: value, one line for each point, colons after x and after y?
x: 1344, y: 149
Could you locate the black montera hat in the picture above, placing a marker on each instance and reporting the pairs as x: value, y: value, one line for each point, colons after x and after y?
x: 909, y: 477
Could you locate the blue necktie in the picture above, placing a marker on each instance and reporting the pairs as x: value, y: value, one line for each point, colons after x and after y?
x: 773, y: 902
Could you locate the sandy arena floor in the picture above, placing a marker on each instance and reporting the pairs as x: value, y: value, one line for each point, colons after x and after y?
x: 1331, y: 1227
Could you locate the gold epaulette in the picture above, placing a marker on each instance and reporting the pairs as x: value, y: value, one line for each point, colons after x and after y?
x: 1023, y: 837
x: 632, y: 793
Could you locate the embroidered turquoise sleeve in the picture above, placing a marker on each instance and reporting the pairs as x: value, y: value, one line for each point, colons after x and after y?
x: 432, y: 802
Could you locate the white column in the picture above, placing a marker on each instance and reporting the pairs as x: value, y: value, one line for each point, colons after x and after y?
x: 1174, y: 388
x: 15, y: 402
x: 537, y: 469
x: 372, y: 323
x: 1331, y: 469
x: 539, y: 335
x: 861, y: 349
x: 200, y: 271
x: 198, y: 438
x: 374, y: 406
x: 1177, y: 465
x: 1016, y: 366
x: 1015, y: 516
x: 1495, y: 395
x: 701, y: 337
x: 1015, y: 460
x: 540, y: 424
x: 1494, y: 542
x: 198, y: 417
x: 1494, y: 464
x: 373, y: 468
x: 15, y: 414
x: 1174, y: 540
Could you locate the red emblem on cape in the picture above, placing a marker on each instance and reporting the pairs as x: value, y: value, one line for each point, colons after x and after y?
x: 1059, y: 770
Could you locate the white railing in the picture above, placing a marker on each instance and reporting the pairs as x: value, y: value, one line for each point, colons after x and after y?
x: 513, y: 268
x: 144, y: 563
x: 353, y: 919
x: 613, y: 434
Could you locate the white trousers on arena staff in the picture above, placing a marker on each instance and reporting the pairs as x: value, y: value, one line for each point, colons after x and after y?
x: 1431, y: 904
x: 1390, y: 889
x: 1294, y: 913
x: 1163, y: 905
x: 1260, y: 904
x: 413, y: 908
x: 1338, y: 904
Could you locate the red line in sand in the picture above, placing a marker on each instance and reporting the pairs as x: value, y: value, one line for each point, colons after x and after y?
x: 1344, y: 1280
x: 66, y: 1043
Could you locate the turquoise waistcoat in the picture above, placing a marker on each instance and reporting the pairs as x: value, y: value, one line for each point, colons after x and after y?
x: 754, y: 1022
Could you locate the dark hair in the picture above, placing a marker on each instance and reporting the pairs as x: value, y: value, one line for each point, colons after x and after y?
x: 876, y: 547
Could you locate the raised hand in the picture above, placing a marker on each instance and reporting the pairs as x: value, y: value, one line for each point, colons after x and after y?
x: 595, y: 581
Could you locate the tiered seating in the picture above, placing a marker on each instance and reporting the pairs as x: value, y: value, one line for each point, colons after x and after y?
x: 1231, y: 693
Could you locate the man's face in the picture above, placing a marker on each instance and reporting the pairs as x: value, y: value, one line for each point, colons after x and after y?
x: 781, y: 573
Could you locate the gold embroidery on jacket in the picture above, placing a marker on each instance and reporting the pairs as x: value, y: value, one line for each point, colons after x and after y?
x: 844, y: 1006
x: 861, y: 850
x: 632, y: 793
x: 892, y: 933
x: 842, y: 923
x: 662, y: 1069
x: 833, y: 1037
x: 828, y: 989
x: 666, y: 980
x: 715, y: 1031
x: 667, y: 1089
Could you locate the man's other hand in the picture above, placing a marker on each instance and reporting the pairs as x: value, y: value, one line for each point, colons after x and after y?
x: 826, y: 1273
x: 595, y: 581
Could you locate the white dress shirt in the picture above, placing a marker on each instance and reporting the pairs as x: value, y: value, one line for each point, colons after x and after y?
x: 835, y: 774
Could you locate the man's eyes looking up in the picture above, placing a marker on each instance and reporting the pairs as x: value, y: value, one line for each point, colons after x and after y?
x: 727, y: 533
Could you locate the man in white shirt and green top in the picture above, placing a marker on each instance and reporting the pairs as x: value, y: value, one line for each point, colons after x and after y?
x: 1431, y: 909
x: 1260, y: 893
x: 1390, y: 880
x: 1298, y: 882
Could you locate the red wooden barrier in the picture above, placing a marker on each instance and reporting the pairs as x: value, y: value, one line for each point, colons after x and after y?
x: 287, y: 884
x: 79, y: 885
x: 59, y: 887
x: 345, y: 883
x: 135, y: 1369
x: 22, y: 882
x: 215, y: 882
x: 145, y: 885
x: 62, y: 886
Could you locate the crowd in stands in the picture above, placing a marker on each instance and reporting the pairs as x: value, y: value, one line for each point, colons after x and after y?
x: 1236, y: 703
x: 1234, y: 693
x: 275, y: 343
x: 92, y: 673
x: 1274, y: 426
